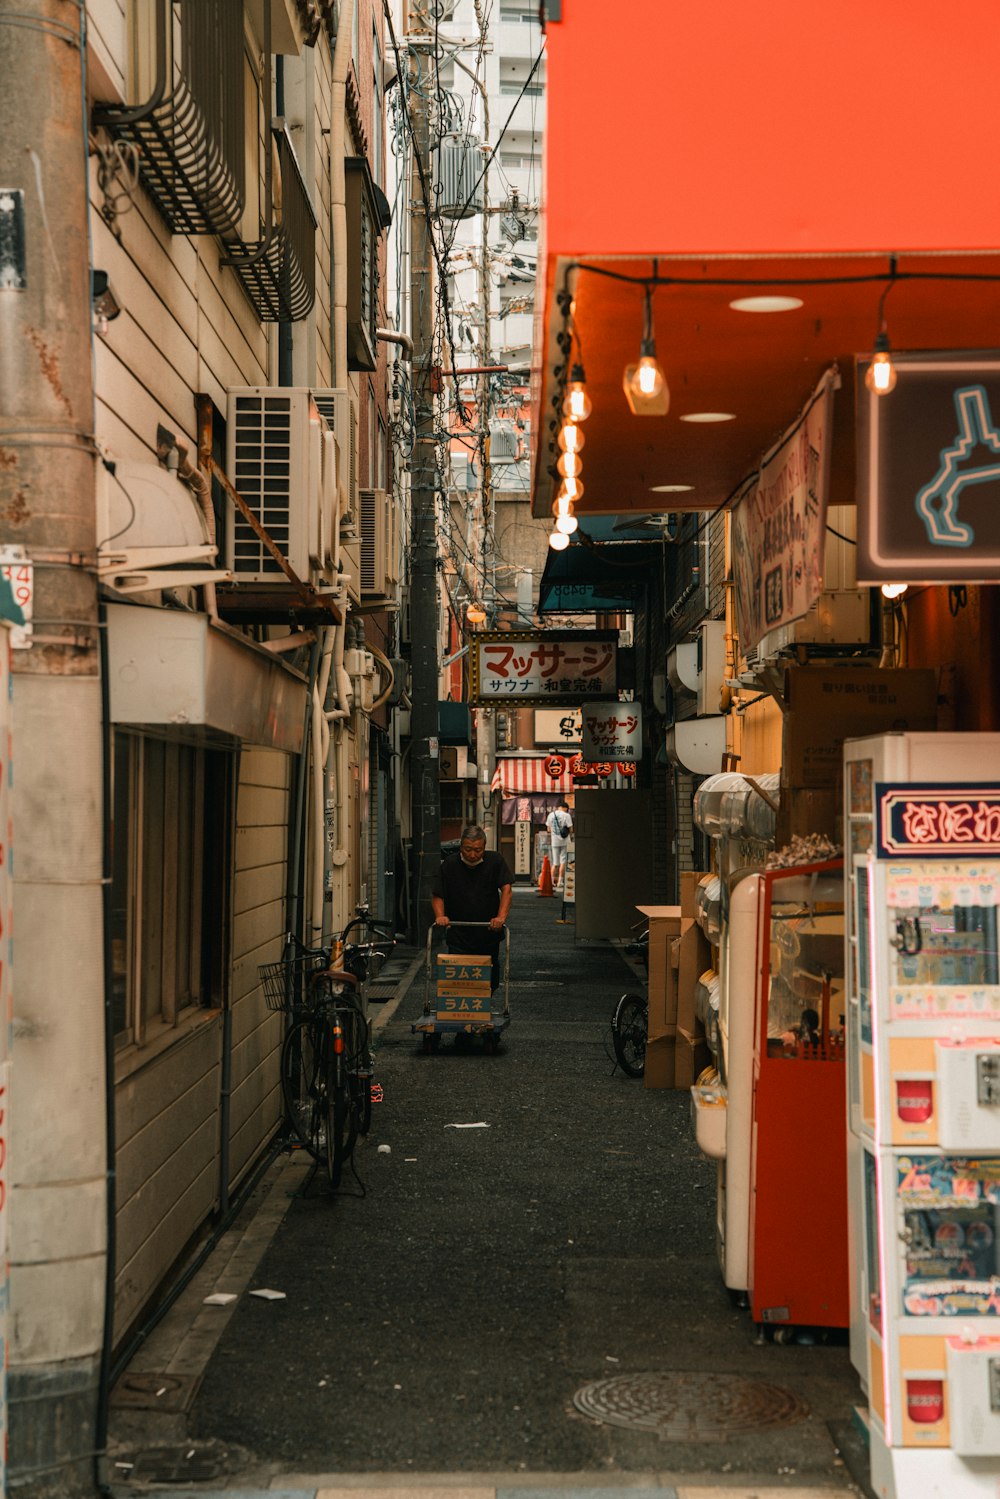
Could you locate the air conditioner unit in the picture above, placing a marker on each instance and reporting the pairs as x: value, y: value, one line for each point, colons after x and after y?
x: 711, y: 664
x: 341, y: 418
x: 379, y: 544
x: 841, y: 622
x: 281, y: 461
x: 350, y: 561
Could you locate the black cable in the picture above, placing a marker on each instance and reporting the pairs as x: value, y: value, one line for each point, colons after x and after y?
x: 861, y: 280
x: 489, y: 159
x: 840, y: 535
x: 957, y: 598
x: 429, y: 216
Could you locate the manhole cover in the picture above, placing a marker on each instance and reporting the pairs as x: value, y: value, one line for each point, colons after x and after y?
x: 163, y: 1392
x: 185, y: 1464
x: 689, y: 1407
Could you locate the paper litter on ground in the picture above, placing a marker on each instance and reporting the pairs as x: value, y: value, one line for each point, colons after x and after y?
x: 269, y: 1295
x: 481, y: 1125
x: 220, y: 1298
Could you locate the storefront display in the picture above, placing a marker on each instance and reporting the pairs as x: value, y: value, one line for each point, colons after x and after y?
x: 923, y: 1006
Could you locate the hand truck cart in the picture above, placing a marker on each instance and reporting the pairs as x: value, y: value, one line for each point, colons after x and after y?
x: 457, y: 993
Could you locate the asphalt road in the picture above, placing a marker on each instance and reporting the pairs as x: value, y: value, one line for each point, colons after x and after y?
x: 444, y: 1320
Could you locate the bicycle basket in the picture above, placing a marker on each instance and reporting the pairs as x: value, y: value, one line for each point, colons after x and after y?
x: 286, y: 984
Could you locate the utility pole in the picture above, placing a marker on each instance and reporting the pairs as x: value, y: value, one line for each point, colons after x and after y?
x: 425, y: 790
x: 57, y: 1179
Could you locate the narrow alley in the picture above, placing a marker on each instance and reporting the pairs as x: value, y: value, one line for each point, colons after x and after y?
x: 442, y: 1321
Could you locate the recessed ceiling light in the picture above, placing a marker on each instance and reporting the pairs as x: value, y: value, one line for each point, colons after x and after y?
x: 709, y: 416
x: 766, y: 304
x: 670, y: 488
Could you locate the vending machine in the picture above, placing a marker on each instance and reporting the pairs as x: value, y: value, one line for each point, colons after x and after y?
x: 782, y: 1196
x: 922, y: 871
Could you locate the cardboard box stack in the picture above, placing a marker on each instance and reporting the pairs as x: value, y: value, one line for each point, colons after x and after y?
x: 824, y: 705
x: 678, y: 954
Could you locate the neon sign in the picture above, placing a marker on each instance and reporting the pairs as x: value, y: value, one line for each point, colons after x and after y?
x: 939, y: 821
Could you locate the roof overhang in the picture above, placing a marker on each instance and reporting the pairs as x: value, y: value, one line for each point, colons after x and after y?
x: 759, y: 368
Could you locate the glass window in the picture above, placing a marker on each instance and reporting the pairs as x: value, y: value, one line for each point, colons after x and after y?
x: 169, y: 823
x: 944, y: 929
x: 377, y: 171
x: 805, y: 1001
x: 951, y: 1216
x: 382, y: 457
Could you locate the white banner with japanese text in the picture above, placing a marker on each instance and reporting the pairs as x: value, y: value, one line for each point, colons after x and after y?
x: 612, y: 731
x: 543, y: 666
x: 779, y: 523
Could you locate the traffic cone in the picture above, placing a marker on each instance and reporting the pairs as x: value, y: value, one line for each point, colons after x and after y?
x: 545, y: 878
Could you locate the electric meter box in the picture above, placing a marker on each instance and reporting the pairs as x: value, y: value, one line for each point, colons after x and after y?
x: 974, y: 1382
x: 968, y: 1104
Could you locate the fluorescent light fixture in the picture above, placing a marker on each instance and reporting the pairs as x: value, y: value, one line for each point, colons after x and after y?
x: 766, y: 304
x: 670, y: 488
x: 709, y: 416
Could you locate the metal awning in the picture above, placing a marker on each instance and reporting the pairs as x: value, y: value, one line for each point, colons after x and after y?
x: 518, y: 775
x: 200, y: 680
x: 454, y: 722
x: 586, y: 579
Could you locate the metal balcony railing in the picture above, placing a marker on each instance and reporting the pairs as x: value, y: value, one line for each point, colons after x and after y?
x: 278, y: 272
x: 190, y: 131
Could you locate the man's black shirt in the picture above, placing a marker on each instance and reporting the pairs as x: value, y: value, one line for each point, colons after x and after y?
x: 472, y: 893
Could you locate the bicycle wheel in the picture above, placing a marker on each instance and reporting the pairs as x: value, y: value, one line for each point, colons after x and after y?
x: 628, y: 1032
x: 361, y: 1062
x: 341, y: 1119
x: 303, y: 1084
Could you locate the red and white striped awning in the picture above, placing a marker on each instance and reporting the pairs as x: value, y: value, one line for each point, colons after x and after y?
x: 532, y: 773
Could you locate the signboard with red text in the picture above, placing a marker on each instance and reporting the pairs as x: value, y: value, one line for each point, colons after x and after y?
x: 545, y: 666
x: 939, y: 821
x: 612, y: 731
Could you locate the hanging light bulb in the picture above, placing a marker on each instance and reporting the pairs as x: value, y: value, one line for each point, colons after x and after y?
x: 475, y: 614
x: 894, y: 590
x: 645, y: 384
x: 570, y: 465
x: 880, y: 376
x: 571, y: 489
x: 567, y: 524
x: 571, y: 438
x: 577, y: 404
x: 558, y: 541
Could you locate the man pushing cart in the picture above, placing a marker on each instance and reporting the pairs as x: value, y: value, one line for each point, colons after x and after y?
x: 471, y: 901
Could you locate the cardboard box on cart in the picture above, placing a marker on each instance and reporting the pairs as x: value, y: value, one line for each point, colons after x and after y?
x: 664, y: 927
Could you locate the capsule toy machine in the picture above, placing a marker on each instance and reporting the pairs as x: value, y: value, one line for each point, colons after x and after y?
x: 922, y: 870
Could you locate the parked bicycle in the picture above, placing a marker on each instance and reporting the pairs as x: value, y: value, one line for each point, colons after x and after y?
x: 326, y: 1056
x: 630, y: 1020
x: 629, y: 1025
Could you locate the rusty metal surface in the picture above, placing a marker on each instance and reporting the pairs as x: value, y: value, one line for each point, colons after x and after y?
x: 683, y: 1407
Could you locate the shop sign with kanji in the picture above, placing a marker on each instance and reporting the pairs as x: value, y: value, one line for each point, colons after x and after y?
x: 612, y: 731
x: 548, y: 666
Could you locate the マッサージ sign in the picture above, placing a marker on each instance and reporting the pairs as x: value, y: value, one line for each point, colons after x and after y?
x: 612, y: 731
x: 544, y: 666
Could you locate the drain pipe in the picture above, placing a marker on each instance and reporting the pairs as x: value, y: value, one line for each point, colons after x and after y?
x: 390, y: 336
x: 111, y: 1177
x: 296, y: 830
